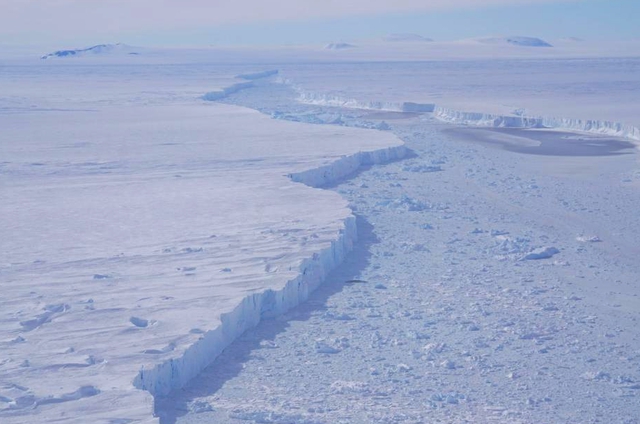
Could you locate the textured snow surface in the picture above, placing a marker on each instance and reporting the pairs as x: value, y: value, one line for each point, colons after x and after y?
x: 562, y: 94
x: 487, y: 286
x: 146, y: 226
x: 140, y: 239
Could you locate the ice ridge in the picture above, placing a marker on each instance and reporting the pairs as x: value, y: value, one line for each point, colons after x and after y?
x: 176, y: 372
x: 213, y: 96
x: 480, y: 119
x: 503, y: 121
x: 248, y: 78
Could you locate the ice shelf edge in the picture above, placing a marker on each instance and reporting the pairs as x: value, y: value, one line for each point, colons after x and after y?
x: 479, y: 119
x: 503, y: 121
x: 176, y: 372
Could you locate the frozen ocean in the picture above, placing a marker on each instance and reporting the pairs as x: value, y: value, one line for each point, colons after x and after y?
x: 342, y: 235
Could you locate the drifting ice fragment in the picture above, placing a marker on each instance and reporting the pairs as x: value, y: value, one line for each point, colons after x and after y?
x: 541, y: 253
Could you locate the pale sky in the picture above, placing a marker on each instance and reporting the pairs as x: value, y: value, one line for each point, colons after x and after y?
x: 291, y: 21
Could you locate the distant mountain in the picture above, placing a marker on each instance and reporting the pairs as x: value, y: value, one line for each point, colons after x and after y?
x: 515, y: 41
x: 339, y: 46
x: 99, y: 49
x: 405, y: 37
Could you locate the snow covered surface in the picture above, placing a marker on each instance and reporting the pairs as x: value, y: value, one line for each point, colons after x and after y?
x: 140, y: 239
x: 565, y: 93
x: 491, y: 286
x: 392, y: 48
x: 149, y: 226
x: 515, y: 40
x: 339, y: 46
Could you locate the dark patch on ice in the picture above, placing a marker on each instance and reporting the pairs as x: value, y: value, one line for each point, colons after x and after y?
x: 549, y: 143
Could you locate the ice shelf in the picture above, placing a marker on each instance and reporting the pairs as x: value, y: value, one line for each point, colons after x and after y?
x: 480, y: 119
x: 140, y: 240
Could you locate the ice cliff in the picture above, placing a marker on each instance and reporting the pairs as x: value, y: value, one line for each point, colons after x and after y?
x: 178, y: 371
x: 504, y: 121
x: 221, y: 94
x: 337, y: 101
x: 481, y: 119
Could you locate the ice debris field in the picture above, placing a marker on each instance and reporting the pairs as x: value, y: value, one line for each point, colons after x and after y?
x: 189, y: 237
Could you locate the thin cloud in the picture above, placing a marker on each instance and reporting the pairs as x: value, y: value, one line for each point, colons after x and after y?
x: 86, y: 17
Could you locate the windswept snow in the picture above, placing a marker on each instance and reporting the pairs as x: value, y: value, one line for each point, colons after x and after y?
x: 140, y: 240
x: 147, y: 229
x: 475, y: 295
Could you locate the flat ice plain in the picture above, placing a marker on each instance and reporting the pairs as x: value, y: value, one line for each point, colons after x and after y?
x: 146, y: 229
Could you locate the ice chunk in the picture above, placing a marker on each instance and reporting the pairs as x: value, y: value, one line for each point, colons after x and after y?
x: 541, y: 253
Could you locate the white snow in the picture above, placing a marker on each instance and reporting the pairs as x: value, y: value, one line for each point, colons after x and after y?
x: 473, y: 297
x: 515, y: 40
x: 561, y: 94
x: 142, y: 235
x: 339, y: 46
x: 145, y: 229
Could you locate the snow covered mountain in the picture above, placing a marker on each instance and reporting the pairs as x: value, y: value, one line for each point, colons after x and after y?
x: 100, y: 49
x: 339, y: 46
x: 515, y: 40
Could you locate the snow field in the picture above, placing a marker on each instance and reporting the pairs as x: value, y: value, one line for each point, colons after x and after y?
x: 487, y: 286
x: 569, y: 94
x: 108, y: 292
x: 141, y: 239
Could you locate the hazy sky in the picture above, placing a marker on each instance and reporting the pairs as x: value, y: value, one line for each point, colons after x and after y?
x: 203, y: 22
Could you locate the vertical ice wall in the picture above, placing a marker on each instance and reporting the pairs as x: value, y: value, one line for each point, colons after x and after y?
x: 502, y: 121
x: 177, y: 372
x: 454, y: 116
